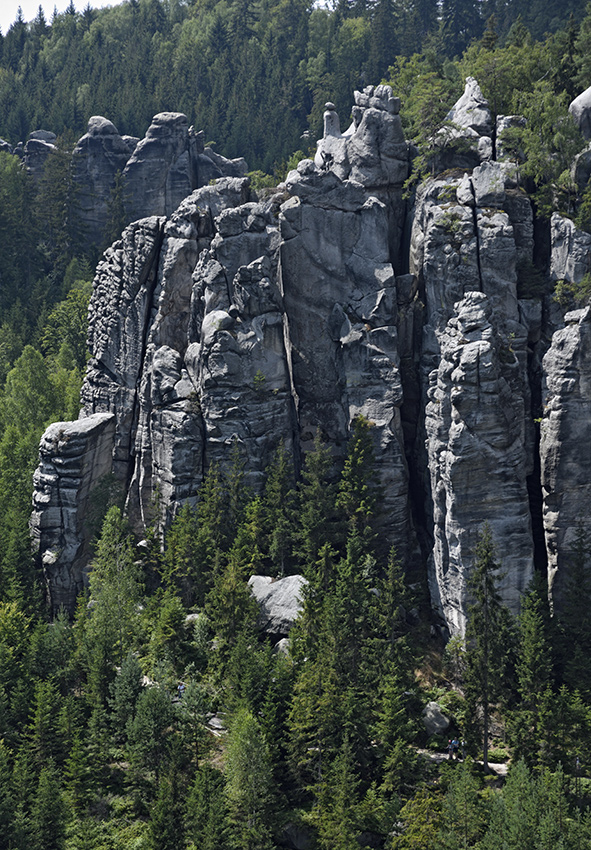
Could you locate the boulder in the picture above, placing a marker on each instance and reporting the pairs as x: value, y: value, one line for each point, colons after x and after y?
x: 436, y: 722
x: 279, y: 601
x: 580, y: 109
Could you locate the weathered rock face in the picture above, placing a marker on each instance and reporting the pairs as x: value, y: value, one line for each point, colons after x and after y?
x: 156, y: 173
x: 464, y: 250
x: 475, y: 423
x: 221, y: 321
x: 580, y: 109
x: 168, y: 164
x: 74, y: 457
x: 565, y: 448
x: 570, y: 258
x: 465, y: 141
x: 99, y: 155
x: 36, y: 150
x: 279, y: 601
x: 119, y: 320
x: 340, y: 296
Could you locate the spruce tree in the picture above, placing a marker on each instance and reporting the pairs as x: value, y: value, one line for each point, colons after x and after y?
x: 533, y: 669
x: 248, y: 784
x: 48, y: 814
x: 207, y: 811
x: 486, y: 634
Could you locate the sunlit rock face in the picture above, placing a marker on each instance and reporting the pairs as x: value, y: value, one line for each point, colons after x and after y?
x: 224, y: 321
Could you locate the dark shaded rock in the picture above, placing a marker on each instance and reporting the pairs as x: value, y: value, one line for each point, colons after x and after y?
x: 74, y: 458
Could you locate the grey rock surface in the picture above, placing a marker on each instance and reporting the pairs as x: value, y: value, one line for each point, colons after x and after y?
x: 279, y: 601
x: 228, y: 320
x: 74, y: 458
x: 339, y: 292
x: 475, y: 425
x: 435, y: 721
x: 471, y: 111
x: 168, y: 164
x: 570, y: 257
x: 35, y: 153
x: 99, y: 155
x: 580, y: 109
x: 565, y: 448
x: 119, y: 316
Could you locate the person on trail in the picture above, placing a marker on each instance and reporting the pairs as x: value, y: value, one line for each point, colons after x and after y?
x: 456, y: 746
x: 450, y: 749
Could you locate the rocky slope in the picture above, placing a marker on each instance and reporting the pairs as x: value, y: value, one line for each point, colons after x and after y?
x: 222, y: 318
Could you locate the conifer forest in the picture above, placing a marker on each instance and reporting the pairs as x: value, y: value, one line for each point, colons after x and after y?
x: 154, y: 709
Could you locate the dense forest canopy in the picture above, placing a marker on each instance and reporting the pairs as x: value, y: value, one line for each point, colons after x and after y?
x: 253, y: 75
x: 97, y: 747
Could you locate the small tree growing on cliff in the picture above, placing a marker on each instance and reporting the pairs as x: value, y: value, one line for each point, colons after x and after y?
x: 487, y: 634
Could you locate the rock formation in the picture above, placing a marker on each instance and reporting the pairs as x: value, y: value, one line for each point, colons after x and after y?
x: 74, y: 458
x: 97, y: 159
x: 279, y: 601
x: 220, y: 319
x: 580, y: 109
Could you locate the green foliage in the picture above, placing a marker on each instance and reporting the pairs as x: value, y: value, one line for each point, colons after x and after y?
x: 488, y: 636
x: 148, y: 733
x: 68, y: 324
x: 207, y: 815
x: 248, y: 788
x: 48, y: 813
x: 570, y: 295
x: 110, y: 622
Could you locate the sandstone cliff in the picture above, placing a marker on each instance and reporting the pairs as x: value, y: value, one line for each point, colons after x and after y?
x: 219, y: 317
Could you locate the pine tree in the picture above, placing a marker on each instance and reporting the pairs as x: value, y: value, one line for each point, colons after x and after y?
x: 358, y: 493
x: 337, y: 799
x: 149, y: 732
x: 125, y: 692
x: 115, y: 590
x: 461, y: 812
x: 77, y: 777
x: 6, y: 798
x: 573, y: 615
x: 278, y: 510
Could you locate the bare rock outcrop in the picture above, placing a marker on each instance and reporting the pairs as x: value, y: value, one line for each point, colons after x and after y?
x: 580, y: 109
x: 119, y: 318
x: 74, y: 458
x: 475, y: 424
x: 168, y: 164
x: 570, y: 258
x: 279, y: 600
x: 565, y: 449
x: 223, y: 320
x: 97, y: 159
x: 36, y: 150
